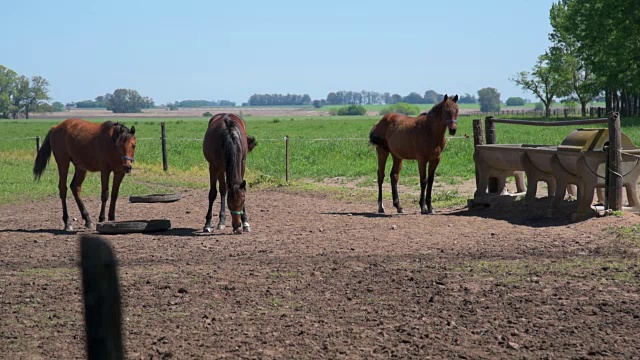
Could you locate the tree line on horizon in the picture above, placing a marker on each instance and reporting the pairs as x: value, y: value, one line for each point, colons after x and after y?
x: 594, y: 52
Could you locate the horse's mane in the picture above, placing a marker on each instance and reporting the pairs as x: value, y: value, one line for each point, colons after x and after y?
x: 231, y: 143
x: 119, y: 129
x: 433, y: 109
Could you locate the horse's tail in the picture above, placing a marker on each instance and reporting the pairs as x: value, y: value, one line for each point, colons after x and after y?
x: 376, y: 140
x: 251, y: 142
x: 42, y: 158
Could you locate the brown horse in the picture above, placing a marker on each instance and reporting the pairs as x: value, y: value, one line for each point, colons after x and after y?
x: 226, y: 145
x: 419, y: 138
x: 107, y: 147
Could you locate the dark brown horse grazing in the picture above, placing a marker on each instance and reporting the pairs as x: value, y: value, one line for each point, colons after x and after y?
x: 419, y: 138
x: 92, y: 147
x: 225, y: 147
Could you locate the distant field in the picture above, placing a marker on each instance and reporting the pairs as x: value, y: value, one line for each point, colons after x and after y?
x: 321, y: 147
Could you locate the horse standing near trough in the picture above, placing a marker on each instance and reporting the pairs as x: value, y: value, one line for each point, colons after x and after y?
x: 107, y: 147
x: 226, y: 145
x: 419, y: 138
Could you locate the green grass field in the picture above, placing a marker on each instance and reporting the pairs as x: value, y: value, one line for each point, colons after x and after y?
x: 317, y: 152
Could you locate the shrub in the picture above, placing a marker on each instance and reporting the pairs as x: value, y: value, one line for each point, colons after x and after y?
x: 207, y: 114
x: 539, y: 106
x: 515, y: 101
x: 402, y: 108
x: 352, y: 110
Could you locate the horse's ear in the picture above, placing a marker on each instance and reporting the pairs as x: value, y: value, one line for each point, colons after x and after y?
x: 445, y: 97
x: 455, y: 98
x: 133, y: 128
x: 243, y: 185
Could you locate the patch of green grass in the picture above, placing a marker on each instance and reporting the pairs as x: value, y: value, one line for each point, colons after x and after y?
x: 512, y: 272
x: 320, y: 147
x: 285, y: 274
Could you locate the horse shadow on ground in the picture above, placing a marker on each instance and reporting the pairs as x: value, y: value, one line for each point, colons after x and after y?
x: 361, y: 214
x: 55, y: 232
x: 189, y: 232
x: 519, y: 213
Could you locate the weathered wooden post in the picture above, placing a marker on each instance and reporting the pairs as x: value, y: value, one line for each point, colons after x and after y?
x: 477, y: 140
x: 614, y: 189
x: 286, y: 146
x: 163, y: 138
x: 490, y: 127
x: 101, y: 292
x: 37, y: 144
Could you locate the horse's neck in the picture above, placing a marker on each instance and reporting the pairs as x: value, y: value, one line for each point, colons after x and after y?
x: 434, y: 124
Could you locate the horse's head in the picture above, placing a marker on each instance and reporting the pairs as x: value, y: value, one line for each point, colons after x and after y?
x: 449, y: 113
x: 126, y: 145
x: 235, y: 203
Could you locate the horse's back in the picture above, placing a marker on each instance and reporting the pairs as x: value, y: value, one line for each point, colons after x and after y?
x: 397, y: 133
x: 77, y: 139
x: 220, y: 127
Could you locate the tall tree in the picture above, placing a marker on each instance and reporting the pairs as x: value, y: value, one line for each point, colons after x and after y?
x: 128, y: 101
x: 38, y: 92
x: 489, y: 99
x: 582, y: 82
x: 547, y: 80
x: 7, y: 87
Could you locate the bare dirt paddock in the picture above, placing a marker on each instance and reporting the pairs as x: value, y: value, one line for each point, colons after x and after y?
x: 319, y: 278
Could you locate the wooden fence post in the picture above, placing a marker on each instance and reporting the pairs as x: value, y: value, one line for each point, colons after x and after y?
x: 614, y: 190
x: 37, y: 144
x: 165, y: 161
x: 490, y: 127
x: 102, y: 308
x: 477, y: 140
x: 286, y: 145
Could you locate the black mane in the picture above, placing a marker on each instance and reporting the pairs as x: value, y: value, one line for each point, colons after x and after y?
x: 232, y: 146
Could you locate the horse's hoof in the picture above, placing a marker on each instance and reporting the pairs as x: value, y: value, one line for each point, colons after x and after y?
x: 237, y: 231
x: 380, y: 210
x: 427, y: 212
x: 68, y: 228
x: 246, y: 227
x: 220, y: 226
x: 207, y: 229
x: 89, y: 225
x: 400, y: 211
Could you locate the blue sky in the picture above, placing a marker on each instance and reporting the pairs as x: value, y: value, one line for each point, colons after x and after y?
x: 232, y: 49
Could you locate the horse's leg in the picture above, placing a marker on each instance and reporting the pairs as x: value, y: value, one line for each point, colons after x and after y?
x: 433, y: 164
x: 104, y: 195
x: 422, y: 170
x: 245, y: 224
x: 395, y: 177
x: 76, y: 189
x: 223, y: 200
x: 63, y: 171
x: 117, y: 180
x: 383, y: 154
x: 213, y: 193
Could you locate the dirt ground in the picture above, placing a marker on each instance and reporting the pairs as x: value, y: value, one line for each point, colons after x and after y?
x: 320, y: 278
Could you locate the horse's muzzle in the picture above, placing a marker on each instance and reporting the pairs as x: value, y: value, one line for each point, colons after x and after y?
x: 126, y: 168
x: 453, y: 126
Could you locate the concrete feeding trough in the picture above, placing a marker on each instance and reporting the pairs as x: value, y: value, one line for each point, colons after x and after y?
x: 500, y: 161
x: 581, y: 160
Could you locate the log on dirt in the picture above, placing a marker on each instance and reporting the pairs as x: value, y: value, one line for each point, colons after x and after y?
x: 155, y: 198
x: 135, y: 226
